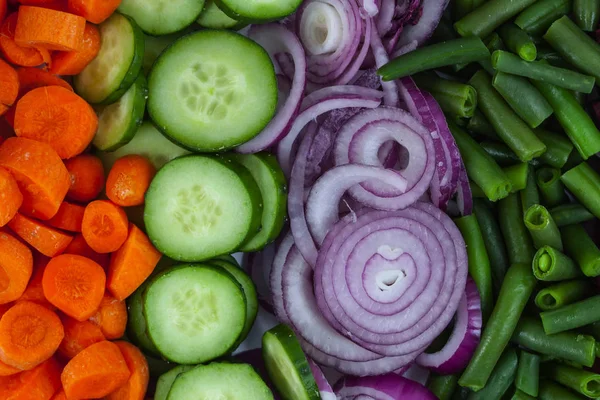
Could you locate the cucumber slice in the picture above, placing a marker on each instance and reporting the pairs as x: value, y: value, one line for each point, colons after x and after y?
x: 258, y: 10
x: 155, y: 45
x: 229, y: 258
x: 136, y: 322
x: 119, y: 122
x: 220, y: 381
x: 117, y: 64
x: 199, y: 207
x: 273, y: 187
x: 194, y: 313
x: 212, y: 90
x: 162, y: 17
x: 213, y: 18
x: 287, y: 365
x: 166, y: 380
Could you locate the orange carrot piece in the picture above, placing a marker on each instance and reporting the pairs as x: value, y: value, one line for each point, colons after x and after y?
x: 75, y: 285
x: 9, y: 84
x: 60, y: 395
x: 47, y: 240
x: 16, y: 54
x: 29, y: 335
x: 80, y: 247
x: 5, y: 369
x: 87, y: 177
x: 132, y: 264
x: 57, y: 116
x: 95, y: 11
x: 79, y: 335
x: 40, y: 174
x: 11, y: 198
x: 51, y: 29
x: 111, y: 317
x: 69, y: 217
x: 32, y: 78
x: 129, y: 179
x: 39, y: 383
x: 95, y: 372
x: 73, y: 62
x: 35, y: 291
x: 16, y: 267
x: 137, y: 385
x: 105, y: 226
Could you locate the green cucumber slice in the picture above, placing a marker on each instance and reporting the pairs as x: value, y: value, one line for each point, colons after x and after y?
x: 199, y: 207
x: 212, y: 90
x: 166, y: 380
x: 194, y: 313
x: 229, y: 258
x: 255, y: 11
x: 162, y: 17
x: 287, y: 365
x: 155, y: 45
x: 117, y: 65
x: 136, y: 322
x: 213, y: 18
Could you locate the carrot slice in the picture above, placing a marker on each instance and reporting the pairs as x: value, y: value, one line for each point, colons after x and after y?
x: 48, y: 241
x: 129, y: 179
x: 137, y: 385
x: 95, y: 372
x: 11, y: 198
x: 40, y: 174
x: 29, y: 335
x: 73, y: 62
x: 69, y: 217
x: 132, y: 264
x: 16, y: 54
x: 60, y: 395
x: 79, y: 335
x: 105, y: 226
x: 80, y: 247
x: 35, y: 291
x: 59, y: 5
x: 111, y: 317
x: 9, y: 84
x: 57, y: 116
x: 51, y: 29
x: 39, y: 383
x: 16, y: 267
x: 75, y: 285
x: 87, y: 177
x: 95, y: 11
x: 5, y: 369
x: 32, y: 78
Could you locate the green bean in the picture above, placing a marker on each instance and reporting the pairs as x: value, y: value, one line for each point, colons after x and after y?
x: 550, y: 55
x: 542, y: 228
x: 551, y: 188
x: 568, y: 214
x: 514, y: 294
x: 434, y: 56
x: 571, y: 316
x: 501, y: 378
x: 476, y: 191
x: 594, y: 330
x: 479, y: 262
x: 553, y: 391
x: 479, y: 125
x: 455, y: 98
x: 493, y: 42
x: 580, y: 246
x: 463, y: 7
x: 481, y: 167
x: 551, y: 265
x: 501, y: 153
x: 558, y: 148
x: 509, y: 127
x: 587, y: 14
x: 538, y: 17
x: 443, y: 386
x: 584, y: 183
x: 530, y: 195
x: 517, y: 239
x: 570, y: 346
x: 517, y: 175
x: 528, y: 373
x: 490, y: 15
x: 518, y: 41
x: 585, y: 382
x: 521, y: 396
x: 562, y: 294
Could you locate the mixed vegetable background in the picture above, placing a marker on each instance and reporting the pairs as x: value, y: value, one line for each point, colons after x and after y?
x: 402, y: 193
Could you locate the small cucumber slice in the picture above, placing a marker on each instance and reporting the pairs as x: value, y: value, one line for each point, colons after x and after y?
x: 199, y: 207
x: 287, y: 365
x: 195, y: 313
x: 255, y: 11
x: 162, y: 17
x: 117, y: 64
x: 119, y: 122
x: 220, y: 381
x: 136, y: 322
x: 213, y: 18
x: 229, y: 258
x: 166, y: 380
x: 212, y: 90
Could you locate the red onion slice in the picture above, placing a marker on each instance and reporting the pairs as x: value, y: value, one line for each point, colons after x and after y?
x: 406, y: 48
x: 385, y: 17
x: 390, y: 88
x: 275, y: 283
x: 429, y: 20
x: 464, y: 196
x: 321, y: 28
x: 325, y: 389
x: 371, y: 7
x: 382, y: 387
x: 259, y: 268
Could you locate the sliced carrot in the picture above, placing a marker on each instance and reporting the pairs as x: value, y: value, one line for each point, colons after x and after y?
x: 60, y: 395
x: 11, y: 198
x: 137, y: 385
x: 40, y: 174
x: 129, y: 179
x: 35, y: 291
x: 57, y: 116
x: 95, y: 11
x: 51, y: 29
x: 5, y: 369
x: 29, y: 335
x: 79, y: 335
x: 16, y: 54
x: 80, y: 247
x: 32, y: 78
x: 132, y: 264
x: 16, y: 267
x: 95, y: 372
x: 73, y: 62
x: 87, y: 177
x: 111, y: 317
x: 69, y: 217
x: 105, y: 226
x: 9, y: 84
x: 45, y: 239
x: 39, y: 383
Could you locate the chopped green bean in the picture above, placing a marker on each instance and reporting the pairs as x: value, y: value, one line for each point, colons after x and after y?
x: 518, y: 41
x: 517, y: 239
x: 530, y: 195
x: 552, y: 265
x: 568, y: 214
x: 517, y: 175
x: 585, y: 382
x: 587, y: 14
x: 521, y: 396
x: 501, y: 378
x: 528, y: 373
x: 479, y: 125
x: 580, y: 246
x: 476, y: 191
x: 501, y: 153
x: 558, y: 148
x: 551, y: 188
x: 584, y: 183
x: 443, y: 386
x: 490, y: 15
x: 493, y: 42
x: 463, y: 7
x: 571, y: 316
x: 538, y: 17
x: 562, y: 294
x: 553, y: 391
x: 542, y: 227
x: 455, y: 98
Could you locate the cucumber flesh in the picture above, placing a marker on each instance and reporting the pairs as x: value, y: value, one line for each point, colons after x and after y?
x: 166, y: 380
x: 258, y: 10
x: 213, y: 18
x: 136, y: 322
x: 162, y: 17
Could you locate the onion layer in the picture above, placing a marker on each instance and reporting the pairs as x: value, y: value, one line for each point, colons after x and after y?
x: 383, y: 387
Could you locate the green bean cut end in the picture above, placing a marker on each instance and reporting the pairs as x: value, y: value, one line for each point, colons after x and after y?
x: 591, y: 386
x: 528, y: 52
x: 536, y: 217
x: 543, y: 262
x: 545, y: 300
x: 546, y: 176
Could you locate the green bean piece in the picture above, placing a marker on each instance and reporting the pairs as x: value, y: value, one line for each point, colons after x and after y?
x: 437, y: 55
x: 584, y: 183
x: 585, y: 382
x: 463, y: 7
x: 455, y: 98
x: 476, y: 191
x: 552, y: 265
x: 538, y: 17
x: 501, y: 378
x: 580, y: 246
x: 587, y: 14
x: 490, y: 15
x: 480, y: 126
x: 493, y: 42
x: 501, y: 153
x: 528, y: 373
x: 571, y: 316
x: 509, y: 127
x: 562, y: 294
x: 443, y: 386
x: 550, y: 55
x: 521, y: 396
x: 542, y: 227
x: 530, y: 195
x: 514, y: 294
x: 553, y: 391
x: 517, y: 239
x: 517, y: 175
x: 568, y: 214
x: 552, y: 190
x: 481, y: 167
x: 518, y: 41
x: 558, y: 148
